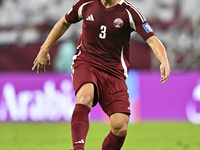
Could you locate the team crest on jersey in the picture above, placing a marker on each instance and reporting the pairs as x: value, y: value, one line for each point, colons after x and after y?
x: 118, y: 23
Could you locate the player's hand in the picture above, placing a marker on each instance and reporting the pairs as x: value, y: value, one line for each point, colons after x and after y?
x: 40, y: 62
x: 165, y: 72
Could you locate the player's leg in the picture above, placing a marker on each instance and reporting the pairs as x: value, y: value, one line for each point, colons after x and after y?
x: 85, y: 95
x: 116, y: 137
x: 80, y: 121
x: 119, y: 124
x: 114, y: 100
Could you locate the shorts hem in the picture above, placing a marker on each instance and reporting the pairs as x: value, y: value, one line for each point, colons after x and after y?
x: 126, y: 113
x: 82, y: 85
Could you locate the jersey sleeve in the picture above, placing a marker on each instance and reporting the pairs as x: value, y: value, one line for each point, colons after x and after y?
x: 75, y: 13
x: 139, y: 23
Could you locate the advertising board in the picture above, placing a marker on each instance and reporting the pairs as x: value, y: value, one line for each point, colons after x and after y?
x: 50, y: 97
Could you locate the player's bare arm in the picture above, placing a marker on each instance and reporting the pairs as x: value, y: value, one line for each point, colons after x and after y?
x: 43, y: 56
x: 160, y: 53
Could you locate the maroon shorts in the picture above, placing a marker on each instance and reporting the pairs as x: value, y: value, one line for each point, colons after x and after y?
x: 111, y: 92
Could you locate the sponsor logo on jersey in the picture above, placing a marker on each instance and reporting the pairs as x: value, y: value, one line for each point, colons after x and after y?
x: 90, y: 18
x: 118, y: 23
x: 147, y: 28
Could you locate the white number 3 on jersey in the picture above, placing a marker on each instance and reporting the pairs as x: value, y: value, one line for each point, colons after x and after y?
x: 102, y: 35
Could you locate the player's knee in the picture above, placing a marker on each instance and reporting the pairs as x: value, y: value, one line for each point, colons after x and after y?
x: 85, y: 95
x: 120, y: 128
x: 123, y: 132
x: 119, y: 124
x: 120, y: 132
x: 86, y: 100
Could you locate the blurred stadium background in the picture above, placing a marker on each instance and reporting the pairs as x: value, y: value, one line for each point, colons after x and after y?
x: 35, y: 109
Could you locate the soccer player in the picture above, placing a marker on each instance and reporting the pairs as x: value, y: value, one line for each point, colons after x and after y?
x: 101, y: 63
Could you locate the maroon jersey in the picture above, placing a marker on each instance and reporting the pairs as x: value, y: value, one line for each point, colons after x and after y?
x: 106, y: 33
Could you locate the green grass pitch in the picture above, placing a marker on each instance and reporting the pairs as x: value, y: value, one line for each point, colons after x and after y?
x: 141, y: 136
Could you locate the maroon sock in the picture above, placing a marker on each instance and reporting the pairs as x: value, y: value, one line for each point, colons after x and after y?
x: 79, y: 126
x: 113, y: 142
